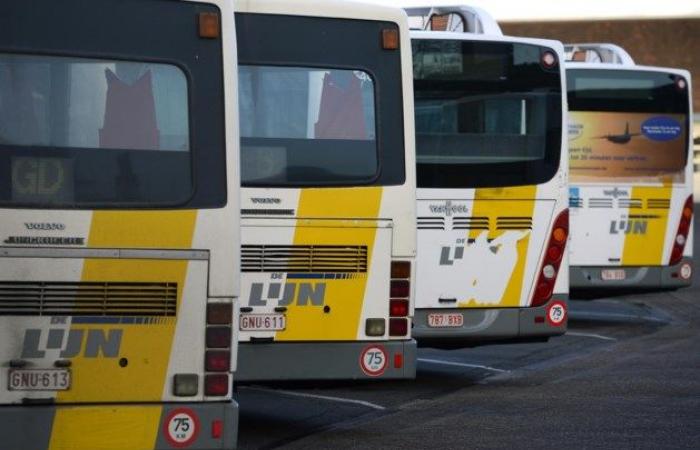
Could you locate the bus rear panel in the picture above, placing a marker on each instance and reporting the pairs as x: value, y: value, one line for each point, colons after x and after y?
x: 328, y: 194
x: 117, y: 275
x: 492, y: 217
x: 631, y: 177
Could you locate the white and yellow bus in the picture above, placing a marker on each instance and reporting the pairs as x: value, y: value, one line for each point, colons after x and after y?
x: 631, y: 171
x: 119, y: 186
x: 328, y: 207
x: 492, y: 182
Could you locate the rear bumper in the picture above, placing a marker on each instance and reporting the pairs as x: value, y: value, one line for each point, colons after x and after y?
x: 489, y: 325
x: 649, y: 277
x: 271, y: 361
x: 97, y: 427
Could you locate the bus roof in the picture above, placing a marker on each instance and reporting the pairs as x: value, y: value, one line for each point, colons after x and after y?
x: 346, y: 9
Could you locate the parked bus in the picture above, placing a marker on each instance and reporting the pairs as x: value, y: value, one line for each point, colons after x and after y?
x: 119, y: 224
x: 492, y: 182
x: 327, y: 166
x: 631, y: 171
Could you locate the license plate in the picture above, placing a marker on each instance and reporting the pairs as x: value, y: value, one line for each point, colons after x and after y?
x: 613, y: 274
x: 39, y: 380
x: 263, y: 322
x: 445, y: 320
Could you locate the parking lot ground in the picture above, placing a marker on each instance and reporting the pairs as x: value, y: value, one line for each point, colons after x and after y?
x: 626, y: 375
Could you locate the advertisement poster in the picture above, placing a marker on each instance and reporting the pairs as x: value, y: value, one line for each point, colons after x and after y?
x: 629, y: 147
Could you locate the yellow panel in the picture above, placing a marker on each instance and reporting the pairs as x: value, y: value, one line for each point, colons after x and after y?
x: 646, y: 249
x: 508, y: 201
x: 344, y: 297
x: 146, y: 347
x: 108, y: 428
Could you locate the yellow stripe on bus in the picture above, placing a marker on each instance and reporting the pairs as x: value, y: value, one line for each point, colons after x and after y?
x: 516, y: 201
x: 145, y: 348
x: 644, y: 244
x: 345, y: 298
x: 105, y: 428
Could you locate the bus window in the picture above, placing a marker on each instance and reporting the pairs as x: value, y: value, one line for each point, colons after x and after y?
x: 306, y: 126
x: 101, y: 132
x: 487, y: 114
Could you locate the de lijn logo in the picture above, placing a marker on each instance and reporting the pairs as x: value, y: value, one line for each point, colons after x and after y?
x: 661, y: 128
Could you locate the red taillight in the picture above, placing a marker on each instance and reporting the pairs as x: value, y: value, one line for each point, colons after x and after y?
x: 217, y: 429
x: 218, y: 361
x: 400, y: 269
x: 400, y: 288
x: 219, y: 313
x: 218, y: 337
x: 398, y: 307
x: 398, y: 327
x: 216, y: 385
x: 681, y: 236
x: 553, y: 257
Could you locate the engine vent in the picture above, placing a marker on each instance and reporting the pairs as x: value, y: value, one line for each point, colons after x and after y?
x: 658, y: 203
x: 431, y: 223
x: 47, y: 298
x: 470, y: 223
x: 304, y: 258
x: 575, y: 202
x: 631, y: 203
x: 514, y: 223
x: 600, y: 203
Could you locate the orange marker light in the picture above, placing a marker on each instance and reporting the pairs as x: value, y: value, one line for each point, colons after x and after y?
x: 390, y: 39
x: 559, y: 234
x: 209, y: 25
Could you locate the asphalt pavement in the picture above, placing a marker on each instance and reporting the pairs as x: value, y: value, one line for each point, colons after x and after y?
x: 626, y: 375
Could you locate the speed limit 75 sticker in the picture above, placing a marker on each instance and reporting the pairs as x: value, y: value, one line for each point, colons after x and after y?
x: 181, y: 427
x: 556, y: 313
x: 373, y: 360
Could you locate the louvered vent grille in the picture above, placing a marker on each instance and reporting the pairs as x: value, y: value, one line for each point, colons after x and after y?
x: 600, y: 203
x: 304, y: 258
x: 514, y: 223
x: 658, y: 203
x: 470, y: 223
x: 631, y: 203
x: 44, y: 298
x: 431, y: 223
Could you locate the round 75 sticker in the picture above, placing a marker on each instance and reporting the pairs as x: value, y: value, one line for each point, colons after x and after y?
x: 556, y: 313
x: 181, y: 427
x: 373, y: 360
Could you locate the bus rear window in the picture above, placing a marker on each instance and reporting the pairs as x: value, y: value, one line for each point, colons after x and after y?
x: 78, y: 131
x: 303, y: 126
x: 627, y: 125
x: 487, y: 114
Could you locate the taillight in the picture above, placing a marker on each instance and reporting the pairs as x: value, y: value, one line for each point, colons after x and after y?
x: 548, y: 59
x: 398, y: 326
x: 398, y: 307
x: 553, y: 257
x: 216, y: 385
x: 218, y: 361
x: 219, y: 313
x: 218, y: 336
x: 400, y: 288
x: 399, y: 294
x: 681, y: 236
